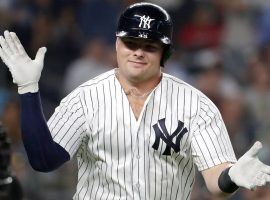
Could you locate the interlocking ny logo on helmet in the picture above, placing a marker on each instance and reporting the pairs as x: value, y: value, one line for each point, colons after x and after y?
x: 147, y: 20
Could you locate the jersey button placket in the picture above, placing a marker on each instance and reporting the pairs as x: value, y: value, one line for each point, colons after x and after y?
x: 138, y: 186
x: 137, y: 164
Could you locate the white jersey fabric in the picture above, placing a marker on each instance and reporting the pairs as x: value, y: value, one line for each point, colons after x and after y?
x: 153, y: 157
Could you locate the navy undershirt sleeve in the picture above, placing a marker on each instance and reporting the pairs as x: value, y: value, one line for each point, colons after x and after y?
x: 43, y: 153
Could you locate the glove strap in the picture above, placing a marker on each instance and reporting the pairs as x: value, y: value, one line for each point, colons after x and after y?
x: 28, y: 87
x: 225, y: 183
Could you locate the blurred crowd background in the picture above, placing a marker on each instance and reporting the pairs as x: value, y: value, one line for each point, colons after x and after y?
x: 222, y: 47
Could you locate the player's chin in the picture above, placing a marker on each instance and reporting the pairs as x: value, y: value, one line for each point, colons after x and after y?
x: 136, y: 71
x: 135, y: 74
x: 137, y: 64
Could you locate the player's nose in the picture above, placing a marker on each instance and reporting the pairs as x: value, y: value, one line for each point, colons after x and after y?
x: 139, y: 52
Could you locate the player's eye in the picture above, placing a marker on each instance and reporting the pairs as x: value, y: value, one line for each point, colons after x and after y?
x: 151, y: 48
x: 146, y: 46
x: 131, y: 44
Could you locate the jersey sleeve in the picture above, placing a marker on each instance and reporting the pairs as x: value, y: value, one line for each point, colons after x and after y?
x: 68, y: 123
x: 210, y: 143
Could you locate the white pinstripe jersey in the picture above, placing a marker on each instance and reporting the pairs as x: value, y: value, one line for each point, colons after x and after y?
x: 153, y: 157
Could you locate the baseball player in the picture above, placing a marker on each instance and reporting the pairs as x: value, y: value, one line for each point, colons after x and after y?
x: 137, y: 133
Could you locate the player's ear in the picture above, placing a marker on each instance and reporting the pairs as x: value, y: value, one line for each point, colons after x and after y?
x: 117, y: 43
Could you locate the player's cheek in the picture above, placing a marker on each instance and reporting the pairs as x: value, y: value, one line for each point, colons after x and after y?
x: 125, y: 55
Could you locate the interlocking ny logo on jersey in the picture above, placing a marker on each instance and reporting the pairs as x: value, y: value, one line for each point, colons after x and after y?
x: 162, y: 133
x: 145, y: 21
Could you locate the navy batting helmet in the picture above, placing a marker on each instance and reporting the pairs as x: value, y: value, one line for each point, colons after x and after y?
x: 148, y: 21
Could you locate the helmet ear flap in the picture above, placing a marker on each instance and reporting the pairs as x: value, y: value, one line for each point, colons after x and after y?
x: 167, y: 52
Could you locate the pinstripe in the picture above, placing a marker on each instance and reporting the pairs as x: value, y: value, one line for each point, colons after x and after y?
x: 89, y: 172
x: 154, y: 152
x: 177, y: 108
x: 66, y: 121
x: 92, y: 181
x: 70, y: 128
x: 188, y: 177
x: 111, y: 152
x: 183, y: 113
x: 209, y: 136
x: 161, y: 166
x: 123, y: 109
x: 80, y: 158
x: 111, y: 139
x: 72, y: 147
x: 201, y: 153
x: 223, y: 136
x: 95, y: 83
x: 56, y: 116
x: 222, y: 140
x: 151, y: 130
x: 138, y: 170
x: 96, y: 124
x: 222, y: 147
x: 83, y: 171
x: 188, y: 194
x: 84, y: 100
x: 171, y: 192
x: 117, y: 134
x: 166, y: 110
x: 190, y: 118
x: 131, y: 148
x: 144, y: 154
x: 192, y: 182
x: 88, y: 181
x: 208, y: 150
x: 183, y: 117
x: 104, y: 147
x: 82, y: 176
x: 183, y: 170
x: 72, y: 135
x: 68, y: 99
x: 93, y: 175
x: 179, y: 164
x: 58, y: 120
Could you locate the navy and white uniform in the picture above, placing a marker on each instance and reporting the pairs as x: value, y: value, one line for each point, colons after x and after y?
x: 152, y: 157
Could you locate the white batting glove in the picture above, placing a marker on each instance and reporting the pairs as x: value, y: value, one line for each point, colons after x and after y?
x: 249, y: 172
x: 25, y: 71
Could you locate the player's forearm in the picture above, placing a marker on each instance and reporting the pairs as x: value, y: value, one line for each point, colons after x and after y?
x: 43, y: 153
x: 212, y: 178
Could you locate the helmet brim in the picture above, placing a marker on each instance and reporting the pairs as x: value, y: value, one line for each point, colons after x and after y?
x: 144, y: 34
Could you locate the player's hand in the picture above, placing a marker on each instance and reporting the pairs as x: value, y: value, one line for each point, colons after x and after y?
x: 249, y: 172
x: 25, y: 71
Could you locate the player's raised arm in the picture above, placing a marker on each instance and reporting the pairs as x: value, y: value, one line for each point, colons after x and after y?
x: 43, y: 153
